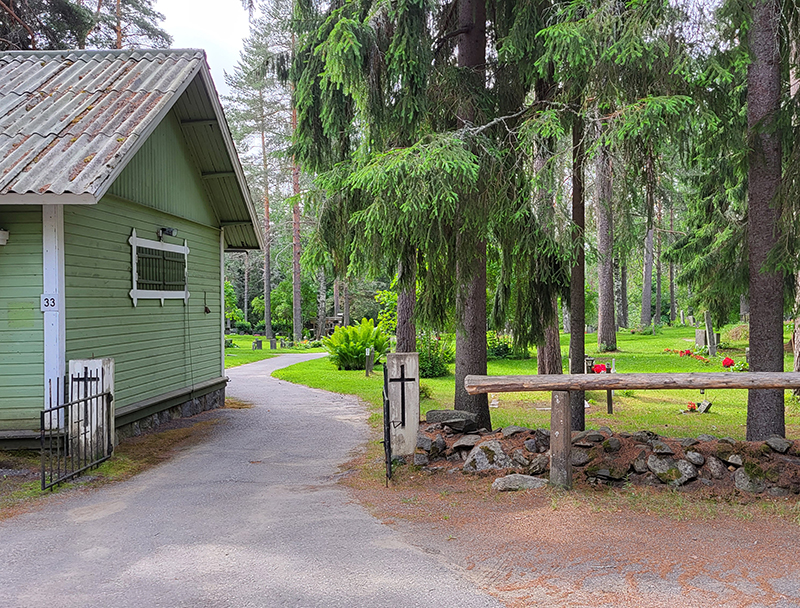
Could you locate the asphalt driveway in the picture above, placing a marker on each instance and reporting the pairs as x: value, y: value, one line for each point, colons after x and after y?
x: 251, y: 517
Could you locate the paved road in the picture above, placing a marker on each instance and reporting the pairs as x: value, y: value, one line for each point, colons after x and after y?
x: 252, y: 517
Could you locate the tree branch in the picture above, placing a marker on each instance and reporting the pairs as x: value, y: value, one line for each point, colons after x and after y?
x: 14, y: 16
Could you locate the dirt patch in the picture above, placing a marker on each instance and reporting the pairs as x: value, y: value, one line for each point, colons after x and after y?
x: 597, y: 545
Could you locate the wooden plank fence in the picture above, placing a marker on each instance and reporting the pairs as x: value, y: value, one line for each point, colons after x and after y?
x: 561, y: 384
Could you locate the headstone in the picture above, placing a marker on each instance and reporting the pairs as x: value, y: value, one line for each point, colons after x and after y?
x: 273, y: 344
x: 283, y: 343
x: 710, y: 336
x: 683, y: 319
x: 691, y: 320
x: 257, y: 345
x: 699, y: 338
x: 403, y: 393
x: 369, y: 361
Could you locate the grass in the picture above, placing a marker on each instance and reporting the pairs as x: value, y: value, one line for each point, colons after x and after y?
x: 658, y: 411
x: 242, y: 352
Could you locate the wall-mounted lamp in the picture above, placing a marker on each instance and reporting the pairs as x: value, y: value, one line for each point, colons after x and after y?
x: 3, y: 236
x: 162, y: 232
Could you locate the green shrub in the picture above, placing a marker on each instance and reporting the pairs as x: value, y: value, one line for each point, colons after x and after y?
x: 347, y: 346
x: 244, y: 327
x: 499, y: 346
x: 435, y: 353
x: 260, y: 328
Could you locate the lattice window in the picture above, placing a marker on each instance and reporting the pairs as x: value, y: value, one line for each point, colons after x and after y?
x: 159, y: 270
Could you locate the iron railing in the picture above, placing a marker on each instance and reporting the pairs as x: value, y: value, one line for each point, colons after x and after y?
x: 77, y: 435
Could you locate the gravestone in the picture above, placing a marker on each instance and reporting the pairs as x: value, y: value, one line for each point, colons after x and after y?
x: 257, y: 345
x: 403, y: 394
x: 710, y: 336
x: 683, y: 319
x: 691, y: 320
x: 283, y: 343
x: 699, y: 338
x: 273, y: 344
x: 369, y: 361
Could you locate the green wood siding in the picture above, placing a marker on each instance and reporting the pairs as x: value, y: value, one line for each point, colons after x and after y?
x: 156, y: 348
x: 21, y: 321
x: 163, y: 176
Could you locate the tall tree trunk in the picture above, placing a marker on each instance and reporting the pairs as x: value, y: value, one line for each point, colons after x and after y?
x: 297, y: 303
x: 658, y: 265
x: 471, y: 291
x: 322, y: 302
x: 119, y: 24
x: 672, y: 304
x: 647, y: 280
x: 623, y: 288
x: 406, y: 302
x: 606, y: 326
x: 268, y: 334
x: 765, y: 408
x: 577, y: 296
x: 548, y: 356
x: 345, y: 303
x: 337, y: 306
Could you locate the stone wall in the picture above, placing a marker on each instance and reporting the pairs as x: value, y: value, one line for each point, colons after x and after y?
x: 602, y: 457
x: 209, y: 401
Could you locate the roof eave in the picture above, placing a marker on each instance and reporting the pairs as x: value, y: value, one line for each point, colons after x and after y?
x: 205, y: 74
x: 48, y: 198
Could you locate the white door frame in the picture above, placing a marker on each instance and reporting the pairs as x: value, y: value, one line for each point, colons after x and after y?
x: 53, y: 301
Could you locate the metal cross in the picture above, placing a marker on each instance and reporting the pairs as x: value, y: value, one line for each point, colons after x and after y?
x: 402, y: 380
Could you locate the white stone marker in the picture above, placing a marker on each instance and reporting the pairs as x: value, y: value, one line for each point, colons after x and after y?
x: 403, y: 370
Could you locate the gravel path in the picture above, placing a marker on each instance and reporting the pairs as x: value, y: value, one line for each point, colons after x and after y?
x: 251, y: 517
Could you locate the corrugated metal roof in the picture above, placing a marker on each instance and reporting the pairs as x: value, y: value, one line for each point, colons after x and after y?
x: 71, y: 120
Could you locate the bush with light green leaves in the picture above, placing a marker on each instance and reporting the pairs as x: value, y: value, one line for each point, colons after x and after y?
x: 347, y: 346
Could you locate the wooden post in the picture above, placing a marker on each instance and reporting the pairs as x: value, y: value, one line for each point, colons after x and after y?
x: 560, y: 440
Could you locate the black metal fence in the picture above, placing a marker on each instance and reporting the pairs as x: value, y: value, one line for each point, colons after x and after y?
x: 79, y: 434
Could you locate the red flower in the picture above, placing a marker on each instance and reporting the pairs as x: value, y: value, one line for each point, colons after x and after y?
x: 728, y: 362
x: 599, y: 368
x: 682, y: 353
x: 692, y: 407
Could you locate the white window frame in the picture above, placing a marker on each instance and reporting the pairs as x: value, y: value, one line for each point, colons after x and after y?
x: 151, y: 294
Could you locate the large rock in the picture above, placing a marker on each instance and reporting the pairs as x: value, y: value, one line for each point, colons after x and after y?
x: 467, y: 442
x: 487, y: 456
x: 664, y: 467
x: 662, y: 449
x: 448, y: 415
x: 748, y: 482
x: 438, y: 447
x: 716, y: 467
x: 640, y: 463
x: 539, y: 464
x: 519, y: 458
x: 612, y: 444
x: 462, y: 425
x: 688, y: 472
x: 579, y: 457
x: 696, y: 458
x: 779, y: 444
x: 510, y: 431
x: 424, y: 442
x: 515, y: 481
x: 531, y: 445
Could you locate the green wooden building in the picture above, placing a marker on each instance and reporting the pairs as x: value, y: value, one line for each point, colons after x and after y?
x: 120, y: 190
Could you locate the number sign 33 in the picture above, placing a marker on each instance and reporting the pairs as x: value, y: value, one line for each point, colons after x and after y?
x: 49, y: 302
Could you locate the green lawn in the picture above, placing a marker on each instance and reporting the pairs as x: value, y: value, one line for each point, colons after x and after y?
x: 658, y: 411
x: 242, y: 352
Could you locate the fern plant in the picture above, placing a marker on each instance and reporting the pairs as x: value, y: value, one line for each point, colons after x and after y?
x: 347, y: 346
